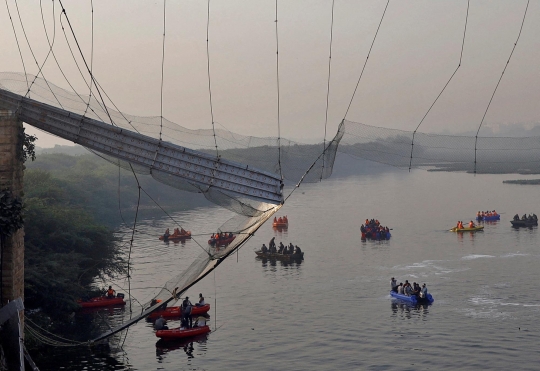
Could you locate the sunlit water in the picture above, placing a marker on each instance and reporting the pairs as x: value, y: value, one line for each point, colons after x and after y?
x: 333, y: 310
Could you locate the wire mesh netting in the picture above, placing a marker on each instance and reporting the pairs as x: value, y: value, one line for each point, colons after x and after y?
x: 297, y: 162
x: 444, y: 152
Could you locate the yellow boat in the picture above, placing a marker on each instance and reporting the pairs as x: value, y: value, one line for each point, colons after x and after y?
x: 474, y: 229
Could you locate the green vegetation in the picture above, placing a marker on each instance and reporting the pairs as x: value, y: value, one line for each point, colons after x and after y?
x: 66, y: 247
x: 71, y: 206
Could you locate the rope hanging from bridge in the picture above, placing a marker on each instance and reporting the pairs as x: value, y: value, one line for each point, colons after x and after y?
x: 444, y: 87
x: 208, y: 71
x: 328, y: 83
x: 365, y: 63
x: 277, y: 93
x: 498, y: 82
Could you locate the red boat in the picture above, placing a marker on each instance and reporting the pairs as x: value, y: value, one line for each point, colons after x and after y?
x: 177, y: 312
x: 176, y: 333
x: 102, y: 301
x: 221, y: 241
x: 281, y: 222
x: 176, y: 237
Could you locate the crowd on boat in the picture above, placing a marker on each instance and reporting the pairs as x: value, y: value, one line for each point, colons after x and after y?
x: 221, y: 237
x: 372, y: 229
x: 272, y: 248
x: 187, y: 321
x: 486, y: 214
x: 281, y: 220
x: 409, y: 290
x: 178, y: 232
x: 524, y: 217
x: 460, y: 225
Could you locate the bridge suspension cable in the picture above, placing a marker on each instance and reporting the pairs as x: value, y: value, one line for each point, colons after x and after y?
x: 498, y: 82
x: 328, y: 84
x: 445, y: 85
x: 365, y: 63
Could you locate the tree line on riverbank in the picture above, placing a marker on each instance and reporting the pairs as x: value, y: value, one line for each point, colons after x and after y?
x: 72, y: 205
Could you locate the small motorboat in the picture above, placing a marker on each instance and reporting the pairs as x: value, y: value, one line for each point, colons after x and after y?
x: 488, y: 218
x: 413, y: 299
x: 177, y: 311
x: 176, y: 333
x: 277, y: 256
x: 102, y: 301
x: 175, y: 237
x: 221, y: 241
x: 524, y: 223
x: 473, y: 229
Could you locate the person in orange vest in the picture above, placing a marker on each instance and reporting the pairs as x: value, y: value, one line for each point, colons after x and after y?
x: 285, y: 220
x: 110, y: 293
x: 275, y: 219
x: 471, y: 224
x: 280, y: 220
x: 460, y: 225
x: 457, y: 225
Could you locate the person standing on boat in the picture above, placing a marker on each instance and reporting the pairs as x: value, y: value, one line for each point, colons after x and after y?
x: 111, y: 293
x: 423, y: 292
x: 201, y: 301
x: 264, y: 249
x: 394, y: 284
x: 160, y: 324
x: 186, y: 311
x: 272, y: 243
x: 400, y: 288
x: 281, y: 247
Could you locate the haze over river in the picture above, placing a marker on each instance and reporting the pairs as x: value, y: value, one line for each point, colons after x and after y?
x: 333, y: 311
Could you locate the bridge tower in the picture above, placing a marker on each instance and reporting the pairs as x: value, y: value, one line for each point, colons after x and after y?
x: 11, y: 178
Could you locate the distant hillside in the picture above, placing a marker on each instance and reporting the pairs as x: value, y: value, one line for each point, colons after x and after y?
x: 94, y: 182
x: 68, y: 150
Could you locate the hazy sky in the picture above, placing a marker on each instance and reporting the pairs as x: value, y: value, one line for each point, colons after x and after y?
x: 416, y: 51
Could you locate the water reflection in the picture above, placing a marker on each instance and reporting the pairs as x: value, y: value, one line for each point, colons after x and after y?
x: 187, y: 345
x: 295, y: 263
x: 470, y: 236
x: 281, y: 231
x: 408, y: 310
x: 182, y: 242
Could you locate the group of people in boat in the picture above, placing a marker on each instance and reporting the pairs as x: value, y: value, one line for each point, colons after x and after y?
x: 482, y: 214
x: 220, y: 236
x: 408, y: 289
x: 281, y: 220
x: 460, y: 225
x: 524, y: 217
x: 372, y: 229
x: 187, y: 321
x: 176, y: 233
x: 282, y: 249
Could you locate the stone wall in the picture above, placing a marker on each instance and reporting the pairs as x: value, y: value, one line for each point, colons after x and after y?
x: 11, y: 177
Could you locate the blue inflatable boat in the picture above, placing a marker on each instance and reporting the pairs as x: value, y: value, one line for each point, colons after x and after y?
x: 487, y: 218
x: 412, y: 299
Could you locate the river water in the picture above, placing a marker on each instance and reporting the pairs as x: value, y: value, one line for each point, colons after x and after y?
x: 333, y: 310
